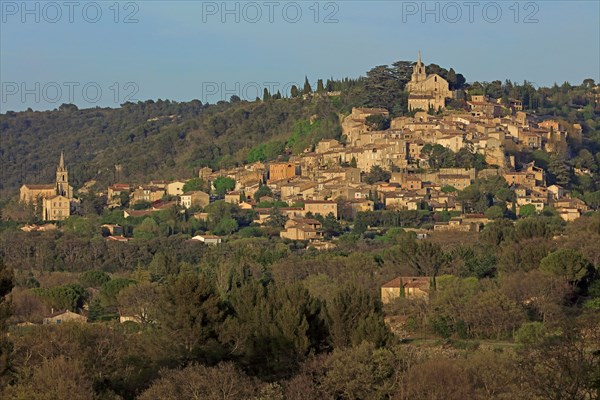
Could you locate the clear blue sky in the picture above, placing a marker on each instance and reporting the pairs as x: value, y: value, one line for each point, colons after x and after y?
x: 182, y: 50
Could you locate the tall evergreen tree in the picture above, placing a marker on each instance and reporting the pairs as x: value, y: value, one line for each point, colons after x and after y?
x: 266, y: 95
x: 320, y: 86
x: 307, y: 87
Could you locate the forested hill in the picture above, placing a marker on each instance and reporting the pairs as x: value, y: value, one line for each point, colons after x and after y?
x: 165, y: 140
x: 153, y: 139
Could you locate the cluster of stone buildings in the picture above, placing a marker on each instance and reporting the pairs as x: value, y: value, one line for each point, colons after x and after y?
x: 154, y: 192
x: 329, y: 178
x: 56, y: 199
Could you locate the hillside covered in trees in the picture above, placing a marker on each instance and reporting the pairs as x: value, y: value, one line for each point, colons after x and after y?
x: 511, y: 310
x: 513, y: 314
x: 165, y: 139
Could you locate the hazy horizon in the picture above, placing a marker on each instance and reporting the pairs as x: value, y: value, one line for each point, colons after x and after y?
x: 96, y: 54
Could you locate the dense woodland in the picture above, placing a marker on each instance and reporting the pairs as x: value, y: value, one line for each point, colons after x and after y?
x: 513, y: 313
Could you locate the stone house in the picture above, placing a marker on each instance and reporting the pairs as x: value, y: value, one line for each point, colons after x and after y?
x: 56, y: 208
x: 208, y: 239
x: 353, y: 207
x: 279, y: 171
x: 569, y: 214
x: 195, y: 199
x: 175, y: 188
x: 571, y: 203
x: 409, y: 287
x: 61, y: 317
x: 452, y: 142
x: 302, y: 229
x: 402, y: 201
x: 327, y: 145
x: 232, y: 197
x: 556, y: 191
x: 147, y: 193
x: 522, y: 178
x: 114, y: 192
x: 321, y: 207
x: 297, y: 190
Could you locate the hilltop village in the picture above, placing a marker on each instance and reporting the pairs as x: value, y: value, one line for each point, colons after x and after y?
x: 439, y: 244
x: 378, y: 164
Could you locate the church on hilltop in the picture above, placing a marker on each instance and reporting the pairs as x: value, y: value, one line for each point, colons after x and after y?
x: 57, y: 199
x: 427, y: 92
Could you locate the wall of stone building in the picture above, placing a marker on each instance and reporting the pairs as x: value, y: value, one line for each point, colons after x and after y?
x: 280, y: 171
x: 389, y: 294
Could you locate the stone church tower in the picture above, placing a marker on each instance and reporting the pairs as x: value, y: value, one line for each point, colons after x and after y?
x: 62, y: 179
x: 418, y: 74
x: 427, y: 92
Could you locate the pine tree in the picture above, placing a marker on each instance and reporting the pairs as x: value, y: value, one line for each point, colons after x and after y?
x: 559, y: 170
x: 294, y: 92
x: 451, y: 78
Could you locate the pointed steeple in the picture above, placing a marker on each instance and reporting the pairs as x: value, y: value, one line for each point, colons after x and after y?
x: 61, y: 163
x: 418, y: 74
x: 62, y: 179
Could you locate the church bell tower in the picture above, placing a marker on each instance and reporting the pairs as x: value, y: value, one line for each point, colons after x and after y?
x: 62, y: 179
x: 419, y: 74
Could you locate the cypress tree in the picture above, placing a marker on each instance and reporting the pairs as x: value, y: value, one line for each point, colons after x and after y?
x: 266, y: 95
x: 307, y: 88
x: 320, y: 87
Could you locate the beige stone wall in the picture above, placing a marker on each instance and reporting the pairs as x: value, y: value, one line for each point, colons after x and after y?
x: 28, y: 195
x: 279, y: 171
x: 175, y: 188
x: 56, y: 208
x: 321, y: 208
x: 389, y: 294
